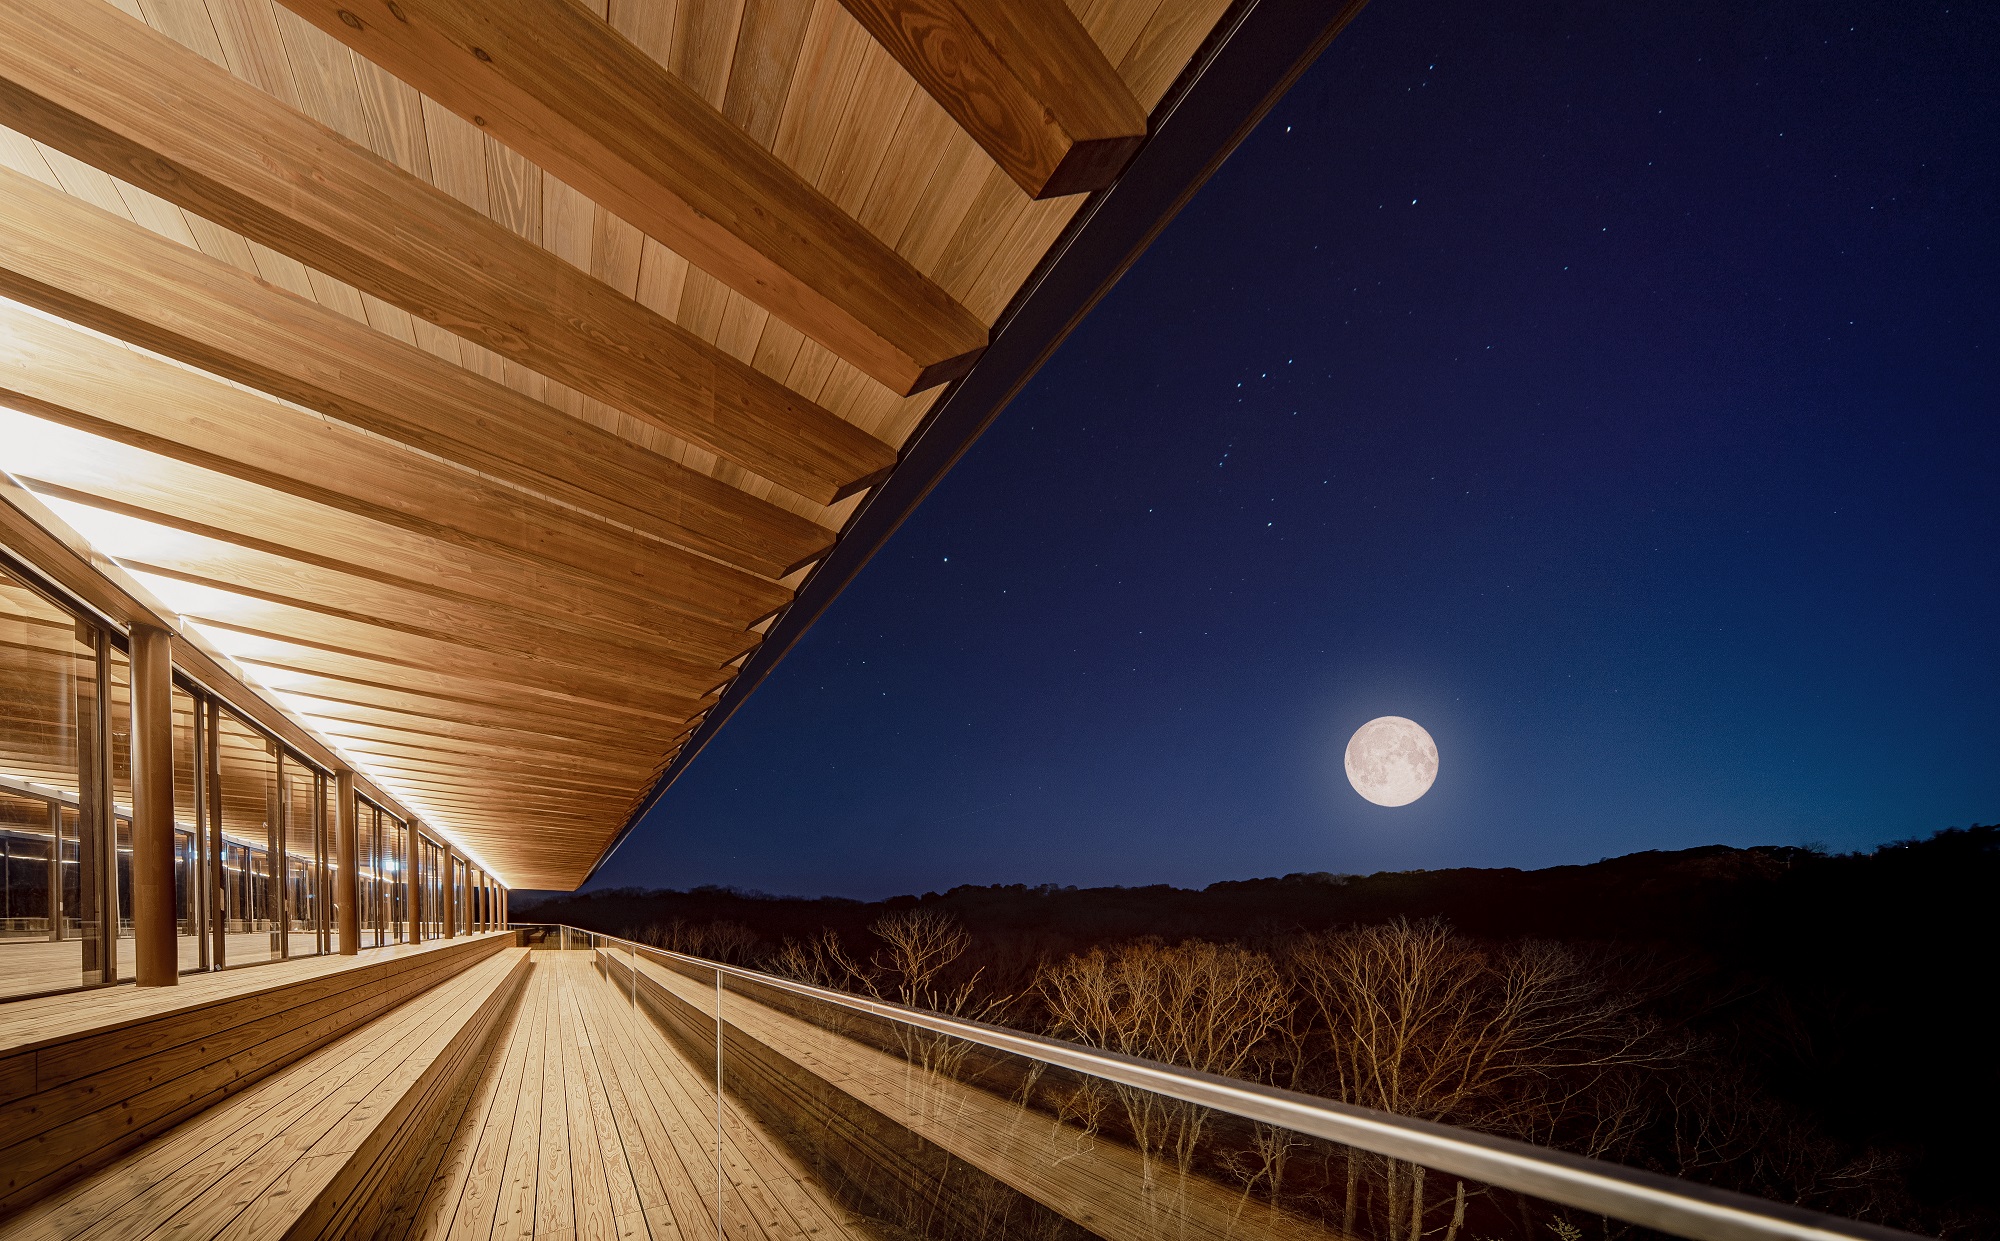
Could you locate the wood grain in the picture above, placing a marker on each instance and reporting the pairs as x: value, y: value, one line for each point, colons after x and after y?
x: 1024, y: 78
x: 83, y: 264
x: 553, y: 81
x: 90, y: 81
x: 81, y: 380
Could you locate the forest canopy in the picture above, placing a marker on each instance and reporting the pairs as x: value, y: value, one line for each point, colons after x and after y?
x: 1800, y: 1025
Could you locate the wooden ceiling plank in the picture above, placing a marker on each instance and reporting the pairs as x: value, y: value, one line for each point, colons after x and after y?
x: 447, y: 695
x: 553, y: 81
x: 518, y: 762
x: 70, y: 259
x: 421, y: 707
x: 401, y: 728
x: 645, y: 707
x: 601, y: 678
x: 81, y: 380
x: 473, y: 778
x: 112, y: 92
x: 369, y: 726
x: 411, y: 607
x: 1024, y: 79
x: 235, y: 560
x: 81, y: 468
x: 446, y: 651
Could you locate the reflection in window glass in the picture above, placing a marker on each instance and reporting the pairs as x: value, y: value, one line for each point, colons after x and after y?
x: 188, y: 846
x: 250, y: 827
x: 305, y: 869
x: 50, y: 928
x: 121, y: 797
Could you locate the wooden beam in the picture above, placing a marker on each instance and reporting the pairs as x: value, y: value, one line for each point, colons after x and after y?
x: 556, y: 83
x: 458, y: 698
x: 349, y: 721
x: 295, y: 561
x: 70, y: 259
x: 409, y: 607
x: 460, y: 756
x: 314, y: 695
x: 109, y: 90
x: 602, y: 678
x: 66, y: 375
x: 38, y: 536
x: 640, y: 707
x: 1024, y: 78
x: 610, y: 687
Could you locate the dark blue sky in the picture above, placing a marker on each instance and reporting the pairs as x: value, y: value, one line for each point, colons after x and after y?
x: 1609, y: 388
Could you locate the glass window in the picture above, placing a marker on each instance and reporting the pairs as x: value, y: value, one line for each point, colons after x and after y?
x: 251, y: 836
x: 304, y: 845
x: 51, y: 924
x: 190, y: 850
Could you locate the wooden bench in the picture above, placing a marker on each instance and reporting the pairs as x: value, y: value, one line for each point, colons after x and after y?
x: 86, y: 1077
x: 318, y: 1149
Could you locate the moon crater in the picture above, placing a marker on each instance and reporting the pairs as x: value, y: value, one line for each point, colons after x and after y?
x: 1391, y: 761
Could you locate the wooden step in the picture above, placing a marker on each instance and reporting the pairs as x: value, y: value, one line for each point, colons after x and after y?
x: 314, y: 1150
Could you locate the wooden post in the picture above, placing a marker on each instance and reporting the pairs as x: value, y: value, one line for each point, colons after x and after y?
x: 156, y: 952
x: 450, y: 894
x: 347, y: 864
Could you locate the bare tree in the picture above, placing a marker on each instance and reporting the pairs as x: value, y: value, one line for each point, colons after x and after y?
x: 1205, y: 1006
x: 1534, y: 1040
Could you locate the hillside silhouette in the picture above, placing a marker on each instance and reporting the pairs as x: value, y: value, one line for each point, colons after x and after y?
x: 1858, y: 987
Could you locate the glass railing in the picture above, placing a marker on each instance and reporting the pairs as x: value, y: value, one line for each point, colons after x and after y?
x: 918, y: 1124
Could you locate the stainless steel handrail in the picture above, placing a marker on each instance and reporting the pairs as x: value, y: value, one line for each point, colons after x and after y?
x: 1667, y: 1204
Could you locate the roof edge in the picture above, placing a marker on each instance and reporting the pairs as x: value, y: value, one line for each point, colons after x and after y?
x: 1254, y: 55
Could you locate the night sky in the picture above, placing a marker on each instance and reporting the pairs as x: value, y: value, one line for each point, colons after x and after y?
x: 1610, y: 388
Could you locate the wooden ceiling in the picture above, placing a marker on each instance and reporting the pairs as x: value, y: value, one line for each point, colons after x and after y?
x: 483, y: 376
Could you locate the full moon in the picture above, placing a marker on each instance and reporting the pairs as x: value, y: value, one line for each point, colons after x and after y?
x: 1391, y: 761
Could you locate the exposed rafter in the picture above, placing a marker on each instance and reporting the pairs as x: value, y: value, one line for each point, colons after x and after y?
x: 83, y: 381
x: 556, y: 83
x: 90, y: 81
x: 1024, y: 78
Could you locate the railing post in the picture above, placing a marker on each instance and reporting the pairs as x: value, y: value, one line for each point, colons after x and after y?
x: 347, y: 864
x: 155, y: 949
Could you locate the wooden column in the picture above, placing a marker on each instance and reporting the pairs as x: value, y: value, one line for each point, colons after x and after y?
x: 156, y: 952
x: 347, y: 864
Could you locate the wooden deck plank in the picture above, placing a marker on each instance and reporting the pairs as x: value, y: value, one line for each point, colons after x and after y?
x: 621, y: 1190
x: 555, y: 1200
x: 471, y: 1212
x: 469, y: 1174
x: 514, y: 1214
x: 765, y: 1195
x: 197, y: 1179
x: 687, y: 1187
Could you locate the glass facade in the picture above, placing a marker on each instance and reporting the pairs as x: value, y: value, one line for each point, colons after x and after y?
x: 60, y: 922
x: 254, y: 823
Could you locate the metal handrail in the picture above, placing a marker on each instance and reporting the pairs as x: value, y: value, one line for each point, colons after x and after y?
x: 1648, y: 1199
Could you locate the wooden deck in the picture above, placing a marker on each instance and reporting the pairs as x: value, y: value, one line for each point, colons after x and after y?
x: 33, y: 966
x: 312, y: 1151
x: 589, y: 1123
